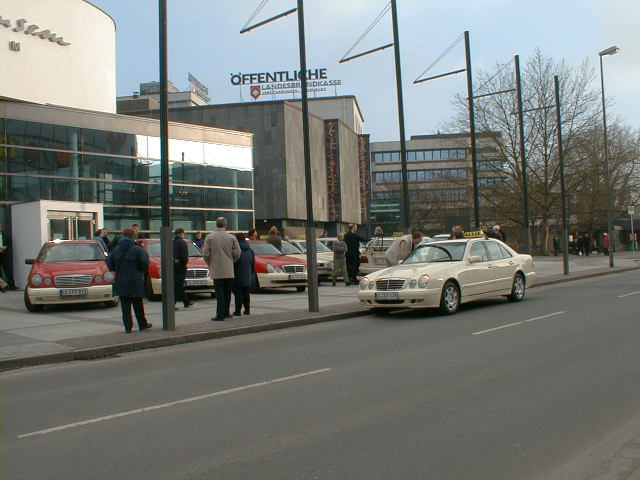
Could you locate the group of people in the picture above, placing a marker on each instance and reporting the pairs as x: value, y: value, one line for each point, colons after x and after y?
x: 231, y: 266
x: 346, y: 256
x: 581, y: 244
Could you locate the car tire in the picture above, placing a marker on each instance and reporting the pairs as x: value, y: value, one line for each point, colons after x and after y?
x: 112, y: 303
x: 300, y: 289
x: 518, y: 289
x: 149, y: 289
x: 30, y: 306
x: 450, y: 298
x: 255, y: 285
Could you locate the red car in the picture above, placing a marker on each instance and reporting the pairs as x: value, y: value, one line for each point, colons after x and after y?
x: 274, y: 269
x: 197, y: 280
x: 69, y: 271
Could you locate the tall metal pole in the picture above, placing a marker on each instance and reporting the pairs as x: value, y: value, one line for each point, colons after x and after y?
x: 403, y: 143
x: 606, y: 169
x: 312, y: 267
x: 166, y: 247
x: 472, y: 131
x: 523, y: 160
x: 563, y: 195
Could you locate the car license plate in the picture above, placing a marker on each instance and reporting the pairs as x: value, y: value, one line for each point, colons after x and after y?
x: 379, y: 261
x: 192, y: 283
x: 386, y: 296
x: 71, y: 292
x: 297, y: 276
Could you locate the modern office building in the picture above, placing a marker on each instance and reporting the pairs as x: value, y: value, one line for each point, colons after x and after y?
x: 148, y: 97
x: 440, y: 181
x: 339, y: 158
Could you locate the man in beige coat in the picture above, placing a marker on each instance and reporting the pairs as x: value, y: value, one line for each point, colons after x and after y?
x: 221, y: 250
x: 402, y: 247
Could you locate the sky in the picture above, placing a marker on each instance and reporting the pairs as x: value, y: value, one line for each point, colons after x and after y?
x: 204, y: 39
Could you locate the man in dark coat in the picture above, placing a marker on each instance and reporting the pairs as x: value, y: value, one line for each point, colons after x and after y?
x: 6, y: 259
x: 353, y: 252
x: 244, y: 268
x: 129, y: 261
x: 180, y: 260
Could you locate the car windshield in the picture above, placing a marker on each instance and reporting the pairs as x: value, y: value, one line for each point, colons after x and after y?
x: 260, y: 248
x: 72, y: 252
x: 153, y: 249
x: 290, y: 249
x: 320, y: 247
x: 437, y: 252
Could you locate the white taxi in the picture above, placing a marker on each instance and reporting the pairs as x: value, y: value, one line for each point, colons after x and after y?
x: 298, y: 249
x: 448, y: 273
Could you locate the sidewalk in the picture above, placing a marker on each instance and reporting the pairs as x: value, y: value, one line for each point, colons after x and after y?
x: 87, y: 331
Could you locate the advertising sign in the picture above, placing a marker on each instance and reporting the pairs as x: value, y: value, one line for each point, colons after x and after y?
x: 284, y: 82
x: 631, y: 210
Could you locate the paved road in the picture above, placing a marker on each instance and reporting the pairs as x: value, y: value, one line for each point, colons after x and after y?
x: 544, y: 389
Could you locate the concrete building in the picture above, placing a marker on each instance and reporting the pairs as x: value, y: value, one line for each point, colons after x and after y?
x: 339, y: 157
x: 58, y: 52
x: 148, y: 97
x: 439, y: 177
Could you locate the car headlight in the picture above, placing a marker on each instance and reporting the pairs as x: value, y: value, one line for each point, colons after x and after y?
x: 108, y: 277
x: 364, y: 283
x: 270, y: 268
x: 413, y: 283
x: 36, y: 280
x: 423, y: 281
x: 98, y: 279
x: 46, y: 281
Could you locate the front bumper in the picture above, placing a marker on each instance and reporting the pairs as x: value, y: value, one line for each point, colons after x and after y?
x: 51, y: 295
x: 277, y: 280
x: 407, y: 298
x: 156, y: 285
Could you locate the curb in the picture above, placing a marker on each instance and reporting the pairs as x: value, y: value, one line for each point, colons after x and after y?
x: 112, y: 350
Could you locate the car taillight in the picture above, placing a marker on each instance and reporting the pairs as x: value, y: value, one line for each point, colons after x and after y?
x: 364, y: 260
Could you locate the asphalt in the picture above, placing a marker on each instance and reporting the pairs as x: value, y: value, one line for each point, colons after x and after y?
x: 85, y: 332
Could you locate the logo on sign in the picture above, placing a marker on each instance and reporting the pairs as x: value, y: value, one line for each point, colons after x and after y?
x: 256, y: 91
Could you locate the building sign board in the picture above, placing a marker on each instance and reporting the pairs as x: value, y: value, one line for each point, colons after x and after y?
x: 199, y: 89
x: 22, y: 25
x: 284, y: 82
x: 332, y: 153
x: 631, y: 210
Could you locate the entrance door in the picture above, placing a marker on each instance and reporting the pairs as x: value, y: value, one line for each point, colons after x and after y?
x: 71, y: 225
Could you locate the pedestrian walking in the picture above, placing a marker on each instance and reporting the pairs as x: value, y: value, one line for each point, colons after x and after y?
x: 606, y: 243
x: 6, y: 259
x: 402, y: 247
x: 353, y: 240
x: 129, y: 261
x: 243, y: 271
x: 588, y: 244
x: 221, y: 250
x: 378, y: 233
x: 340, y: 260
x: 99, y: 237
x: 180, y: 261
x: 556, y: 245
x: 274, y: 238
x: 198, y: 240
x: 497, y: 234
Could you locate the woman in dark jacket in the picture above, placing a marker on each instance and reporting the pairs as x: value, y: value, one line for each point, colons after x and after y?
x: 129, y: 261
x: 243, y: 269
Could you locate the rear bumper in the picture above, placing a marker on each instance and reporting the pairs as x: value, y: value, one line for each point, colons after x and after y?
x: 51, y: 296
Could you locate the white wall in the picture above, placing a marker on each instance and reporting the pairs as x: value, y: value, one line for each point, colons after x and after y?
x: 79, y: 75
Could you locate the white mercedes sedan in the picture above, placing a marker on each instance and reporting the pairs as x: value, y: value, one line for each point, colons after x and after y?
x: 448, y: 273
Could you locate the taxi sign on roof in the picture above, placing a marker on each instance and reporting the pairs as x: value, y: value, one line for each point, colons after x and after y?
x: 478, y: 234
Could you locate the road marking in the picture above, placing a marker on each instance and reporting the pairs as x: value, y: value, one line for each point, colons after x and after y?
x: 627, y: 294
x: 172, y: 404
x: 518, y: 323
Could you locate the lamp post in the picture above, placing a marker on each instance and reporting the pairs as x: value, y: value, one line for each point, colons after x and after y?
x: 609, y: 51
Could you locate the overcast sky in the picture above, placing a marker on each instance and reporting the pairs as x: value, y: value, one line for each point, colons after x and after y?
x: 204, y: 39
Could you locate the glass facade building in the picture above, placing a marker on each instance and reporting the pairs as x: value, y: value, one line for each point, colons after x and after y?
x: 118, y: 166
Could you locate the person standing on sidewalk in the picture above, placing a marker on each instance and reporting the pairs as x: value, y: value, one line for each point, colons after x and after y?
x: 353, y: 252
x: 606, y: 243
x: 221, y: 250
x: 129, y: 261
x: 6, y: 259
x: 243, y: 269
x: 340, y: 260
x: 274, y: 239
x: 199, y: 241
x: 180, y: 260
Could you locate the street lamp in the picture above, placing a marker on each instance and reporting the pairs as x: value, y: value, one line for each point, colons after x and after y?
x: 609, y: 51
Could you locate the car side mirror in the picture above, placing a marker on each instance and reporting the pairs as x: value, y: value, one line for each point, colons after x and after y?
x: 475, y: 259
x: 28, y: 261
